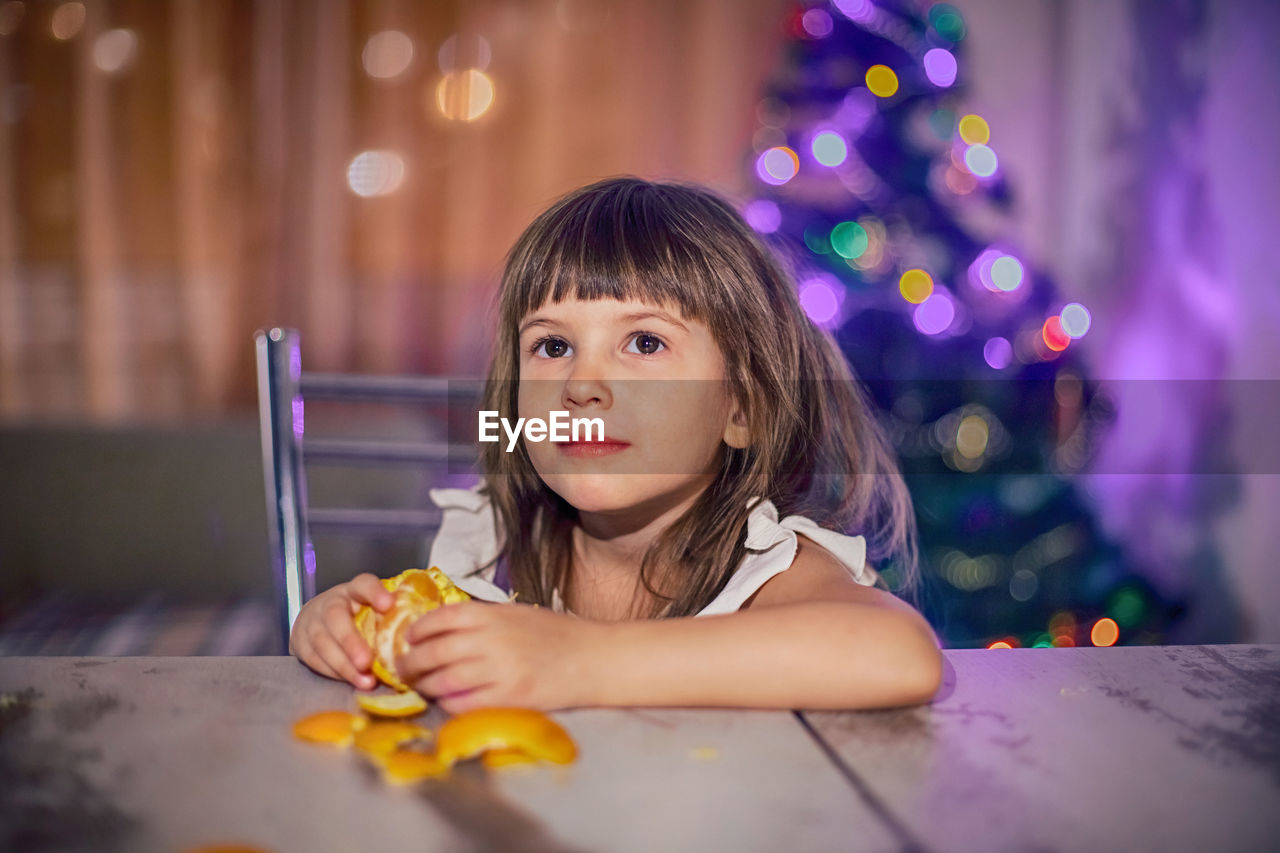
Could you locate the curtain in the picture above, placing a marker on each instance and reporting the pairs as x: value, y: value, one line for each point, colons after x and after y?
x: 175, y: 175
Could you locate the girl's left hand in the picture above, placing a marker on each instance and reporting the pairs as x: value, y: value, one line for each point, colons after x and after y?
x: 472, y: 655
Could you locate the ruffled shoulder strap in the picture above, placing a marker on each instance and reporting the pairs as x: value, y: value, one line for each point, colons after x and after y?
x: 466, y: 545
x: 771, y: 548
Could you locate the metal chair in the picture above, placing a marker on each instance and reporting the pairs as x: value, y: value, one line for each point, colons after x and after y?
x: 286, y: 451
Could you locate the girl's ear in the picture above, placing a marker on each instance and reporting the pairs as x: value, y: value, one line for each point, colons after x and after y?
x: 736, y: 432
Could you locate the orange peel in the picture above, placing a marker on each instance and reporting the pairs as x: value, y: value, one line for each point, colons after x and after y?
x: 405, y: 704
x: 405, y: 766
x: 383, y: 737
x: 336, y: 728
x: 416, y: 592
x: 522, y: 730
x: 505, y: 756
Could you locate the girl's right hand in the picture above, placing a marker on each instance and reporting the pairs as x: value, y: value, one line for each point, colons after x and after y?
x: 324, y: 635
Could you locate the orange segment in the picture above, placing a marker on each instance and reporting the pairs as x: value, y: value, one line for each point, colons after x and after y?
x: 336, y: 728
x: 380, y: 739
x: 523, y: 729
x: 406, y: 766
x: 405, y: 704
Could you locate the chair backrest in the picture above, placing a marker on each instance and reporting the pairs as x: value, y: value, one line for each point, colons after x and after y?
x: 287, y: 451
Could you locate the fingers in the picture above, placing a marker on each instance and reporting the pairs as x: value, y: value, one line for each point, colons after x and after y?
x: 460, y: 677
x: 328, y: 650
x: 356, y: 656
x: 431, y: 655
x: 450, y: 617
x: 365, y: 588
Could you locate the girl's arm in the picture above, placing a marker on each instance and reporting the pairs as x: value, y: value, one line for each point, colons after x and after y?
x: 811, y: 637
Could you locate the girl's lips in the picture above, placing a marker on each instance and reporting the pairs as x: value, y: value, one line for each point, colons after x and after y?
x: 592, y: 448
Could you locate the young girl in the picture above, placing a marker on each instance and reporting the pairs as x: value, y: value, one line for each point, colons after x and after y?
x: 654, y: 308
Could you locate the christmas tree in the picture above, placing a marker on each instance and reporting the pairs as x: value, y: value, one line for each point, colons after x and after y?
x: 888, y: 197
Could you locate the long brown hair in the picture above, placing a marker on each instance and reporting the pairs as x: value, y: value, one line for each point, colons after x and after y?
x: 816, y: 448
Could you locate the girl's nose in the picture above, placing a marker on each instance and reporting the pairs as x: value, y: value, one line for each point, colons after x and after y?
x: 581, y: 390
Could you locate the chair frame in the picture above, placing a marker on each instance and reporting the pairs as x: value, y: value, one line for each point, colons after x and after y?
x: 282, y: 388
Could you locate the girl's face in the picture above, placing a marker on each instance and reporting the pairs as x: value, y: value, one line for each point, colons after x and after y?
x: 657, y: 381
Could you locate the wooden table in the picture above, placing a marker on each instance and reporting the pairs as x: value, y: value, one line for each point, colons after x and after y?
x: 1133, y: 748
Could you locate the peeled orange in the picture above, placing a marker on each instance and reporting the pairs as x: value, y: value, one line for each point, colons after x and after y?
x: 523, y: 730
x: 416, y: 591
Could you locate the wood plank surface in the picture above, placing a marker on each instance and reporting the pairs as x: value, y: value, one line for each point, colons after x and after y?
x: 1162, y: 748
x: 164, y: 754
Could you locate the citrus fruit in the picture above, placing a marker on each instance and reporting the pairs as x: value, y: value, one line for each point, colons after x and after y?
x: 337, y: 728
x: 416, y: 591
x: 521, y: 729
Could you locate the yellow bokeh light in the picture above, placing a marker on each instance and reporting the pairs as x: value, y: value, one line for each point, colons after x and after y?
x: 974, y: 130
x: 882, y: 81
x: 999, y: 644
x: 464, y: 95
x: 972, y: 436
x: 915, y: 286
x: 1105, y: 632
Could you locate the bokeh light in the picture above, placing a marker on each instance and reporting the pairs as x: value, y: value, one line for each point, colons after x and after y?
x: 1000, y: 644
x: 1006, y: 273
x: 1126, y: 606
x: 934, y: 315
x: 974, y: 130
x: 981, y: 160
x: 458, y: 53
x: 67, y: 20
x: 375, y: 173
x: 820, y: 301
x: 882, y: 81
x: 829, y: 148
x: 940, y: 67
x: 849, y: 240
x: 817, y: 23
x: 916, y: 286
x: 1054, y: 338
x: 777, y: 165
x: 946, y: 21
x: 464, y: 95
x: 115, y: 50
x: 1023, y: 585
x: 972, y: 436
x: 763, y: 215
x: 855, y: 10
x: 387, y: 54
x: 1105, y: 632
x: 998, y: 353
x: 1075, y: 319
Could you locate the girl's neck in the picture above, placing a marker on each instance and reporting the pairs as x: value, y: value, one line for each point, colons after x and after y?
x: 613, y: 543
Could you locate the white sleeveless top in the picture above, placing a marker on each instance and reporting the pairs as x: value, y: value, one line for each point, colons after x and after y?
x: 466, y: 549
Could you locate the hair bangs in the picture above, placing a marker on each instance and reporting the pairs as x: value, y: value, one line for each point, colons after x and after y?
x: 617, y: 244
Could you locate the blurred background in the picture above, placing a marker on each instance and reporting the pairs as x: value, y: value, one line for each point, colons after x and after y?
x: 1040, y: 230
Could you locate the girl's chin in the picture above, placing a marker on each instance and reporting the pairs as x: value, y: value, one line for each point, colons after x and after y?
x: 611, y: 492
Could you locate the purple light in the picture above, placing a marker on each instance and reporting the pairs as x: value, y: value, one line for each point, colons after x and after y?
x: 763, y: 215
x: 776, y: 166
x: 935, y: 314
x: 855, y: 10
x: 857, y: 110
x: 940, y: 67
x: 820, y: 301
x: 998, y: 352
x: 829, y: 148
x: 817, y: 23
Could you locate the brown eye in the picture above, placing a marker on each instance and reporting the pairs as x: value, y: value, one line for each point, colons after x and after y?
x: 647, y: 344
x: 553, y: 347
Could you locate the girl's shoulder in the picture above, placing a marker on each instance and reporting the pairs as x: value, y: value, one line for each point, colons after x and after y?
x: 466, y: 543
x: 771, y: 545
